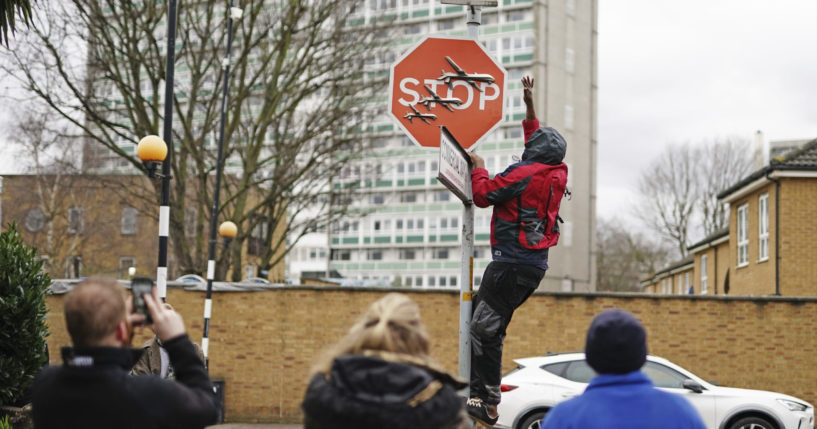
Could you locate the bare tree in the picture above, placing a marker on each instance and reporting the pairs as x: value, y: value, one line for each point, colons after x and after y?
x: 625, y: 255
x: 668, y: 190
x: 65, y: 214
x: 299, y: 98
x: 722, y: 163
x: 679, y: 189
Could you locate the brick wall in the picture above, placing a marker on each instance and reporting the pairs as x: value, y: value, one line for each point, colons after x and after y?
x: 798, y: 229
x: 262, y: 343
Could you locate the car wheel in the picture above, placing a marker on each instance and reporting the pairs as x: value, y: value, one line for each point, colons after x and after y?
x: 534, y: 421
x: 752, y: 423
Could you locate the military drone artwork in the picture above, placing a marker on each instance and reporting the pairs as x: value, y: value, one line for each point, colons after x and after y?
x: 437, y: 99
x: 423, y: 116
x: 446, y: 78
x: 460, y: 74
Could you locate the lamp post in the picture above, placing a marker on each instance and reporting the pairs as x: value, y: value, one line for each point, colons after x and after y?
x: 228, y: 230
x: 152, y: 150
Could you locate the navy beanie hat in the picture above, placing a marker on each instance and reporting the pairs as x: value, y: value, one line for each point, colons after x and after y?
x: 616, y: 343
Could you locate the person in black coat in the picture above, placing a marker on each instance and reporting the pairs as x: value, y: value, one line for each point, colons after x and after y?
x: 93, y: 389
x: 380, y: 375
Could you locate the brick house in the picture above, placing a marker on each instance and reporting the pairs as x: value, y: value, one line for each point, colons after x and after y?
x: 769, y: 247
x: 102, y: 225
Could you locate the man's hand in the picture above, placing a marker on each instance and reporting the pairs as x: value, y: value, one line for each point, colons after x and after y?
x: 477, y: 160
x: 527, y: 84
x: 527, y: 96
x: 167, y: 324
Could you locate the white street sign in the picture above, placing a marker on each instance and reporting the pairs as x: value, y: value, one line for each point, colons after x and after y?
x: 454, y: 167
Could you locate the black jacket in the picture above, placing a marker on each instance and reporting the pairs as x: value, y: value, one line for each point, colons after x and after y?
x: 93, y: 389
x: 384, y: 391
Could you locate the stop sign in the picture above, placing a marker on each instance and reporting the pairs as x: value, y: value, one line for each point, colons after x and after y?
x: 451, y: 82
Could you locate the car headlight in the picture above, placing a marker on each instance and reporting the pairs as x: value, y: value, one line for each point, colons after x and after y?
x: 793, y: 406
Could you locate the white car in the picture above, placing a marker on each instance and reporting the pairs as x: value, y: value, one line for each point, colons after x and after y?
x: 539, y: 383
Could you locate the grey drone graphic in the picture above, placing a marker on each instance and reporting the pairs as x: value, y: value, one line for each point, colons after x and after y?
x: 460, y: 74
x: 423, y: 116
x: 434, y: 98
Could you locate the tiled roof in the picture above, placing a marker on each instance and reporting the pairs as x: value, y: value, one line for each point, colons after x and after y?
x: 804, y: 158
x: 711, y: 237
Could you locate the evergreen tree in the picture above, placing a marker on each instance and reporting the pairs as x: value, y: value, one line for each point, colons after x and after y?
x: 22, y: 316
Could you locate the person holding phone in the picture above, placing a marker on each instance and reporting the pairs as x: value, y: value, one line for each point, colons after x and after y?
x: 93, y: 389
x: 155, y: 359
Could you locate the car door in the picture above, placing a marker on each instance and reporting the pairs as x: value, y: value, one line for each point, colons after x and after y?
x: 576, y: 372
x: 670, y: 380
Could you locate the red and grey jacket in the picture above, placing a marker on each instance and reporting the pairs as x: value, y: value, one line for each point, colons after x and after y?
x: 526, y: 198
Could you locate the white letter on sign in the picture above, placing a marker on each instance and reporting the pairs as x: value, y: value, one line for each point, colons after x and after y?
x: 467, y: 103
x: 407, y: 91
x: 484, y: 94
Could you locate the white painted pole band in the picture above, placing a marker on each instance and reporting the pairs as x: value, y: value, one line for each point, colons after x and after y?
x: 211, y: 269
x: 205, y: 343
x: 208, y: 307
x: 164, y: 221
x: 161, y: 281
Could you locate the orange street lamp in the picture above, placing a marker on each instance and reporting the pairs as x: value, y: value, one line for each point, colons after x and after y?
x: 152, y: 150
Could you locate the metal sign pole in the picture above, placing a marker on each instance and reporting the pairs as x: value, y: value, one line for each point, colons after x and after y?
x: 473, y: 19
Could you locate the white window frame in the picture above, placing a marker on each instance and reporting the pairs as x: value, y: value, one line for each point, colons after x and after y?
x: 743, y: 235
x: 704, y: 275
x: 763, y: 227
x: 129, y: 221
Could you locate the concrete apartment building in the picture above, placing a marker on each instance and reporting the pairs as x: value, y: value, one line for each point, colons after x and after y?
x: 409, y: 230
x: 406, y: 227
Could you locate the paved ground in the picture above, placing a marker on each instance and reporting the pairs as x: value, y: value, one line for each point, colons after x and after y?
x: 255, y: 426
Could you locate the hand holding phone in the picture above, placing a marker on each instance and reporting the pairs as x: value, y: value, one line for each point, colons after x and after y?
x: 141, y: 286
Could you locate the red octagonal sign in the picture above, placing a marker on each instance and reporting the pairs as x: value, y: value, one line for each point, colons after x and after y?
x: 450, y: 82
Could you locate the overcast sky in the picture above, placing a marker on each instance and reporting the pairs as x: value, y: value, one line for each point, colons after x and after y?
x: 681, y: 70
x: 691, y: 70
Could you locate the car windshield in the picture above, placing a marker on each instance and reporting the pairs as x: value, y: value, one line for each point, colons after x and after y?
x: 580, y: 372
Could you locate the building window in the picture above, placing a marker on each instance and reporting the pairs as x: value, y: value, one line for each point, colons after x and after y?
x: 432, y: 281
x: 75, y: 222
x: 418, y: 281
x: 190, y: 222
x: 341, y: 255
x: 73, y: 267
x: 568, y: 117
x: 407, y: 254
x: 704, y: 277
x: 129, y: 215
x: 374, y: 255
x: 408, y: 197
x: 743, y: 235
x: 440, y: 254
x: 35, y: 220
x: 686, y: 283
x: 124, y: 265
x: 763, y: 227
x: 570, y: 60
x: 258, y: 238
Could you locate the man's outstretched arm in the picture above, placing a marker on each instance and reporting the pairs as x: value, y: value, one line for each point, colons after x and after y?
x: 527, y: 96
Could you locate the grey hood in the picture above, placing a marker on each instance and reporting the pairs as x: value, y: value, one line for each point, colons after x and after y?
x: 545, y: 145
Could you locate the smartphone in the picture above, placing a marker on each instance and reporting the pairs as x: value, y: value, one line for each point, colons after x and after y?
x: 141, y: 286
